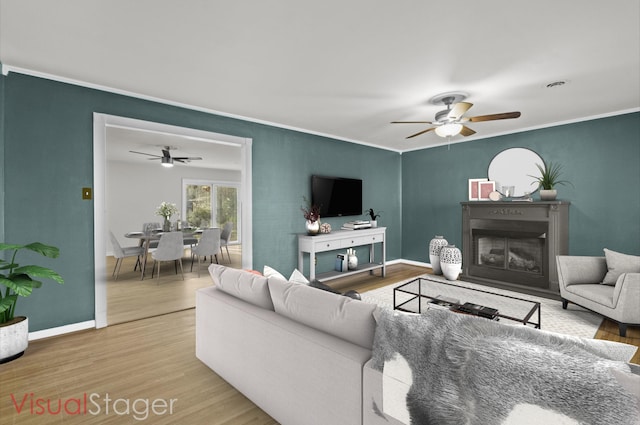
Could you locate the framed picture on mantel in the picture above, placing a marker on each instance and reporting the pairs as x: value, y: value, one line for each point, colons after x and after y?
x: 485, y: 188
x: 474, y: 189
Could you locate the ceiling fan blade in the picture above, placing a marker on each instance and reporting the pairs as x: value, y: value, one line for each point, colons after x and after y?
x: 458, y: 110
x: 492, y: 117
x: 186, y: 158
x: 142, y: 153
x: 422, y: 132
x: 411, y: 122
x: 466, y: 131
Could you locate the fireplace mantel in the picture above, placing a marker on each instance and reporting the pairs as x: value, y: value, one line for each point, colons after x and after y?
x: 541, y: 227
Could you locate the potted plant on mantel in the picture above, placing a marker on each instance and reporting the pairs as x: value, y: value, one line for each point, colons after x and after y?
x: 19, y: 281
x: 311, y: 213
x: 547, y: 180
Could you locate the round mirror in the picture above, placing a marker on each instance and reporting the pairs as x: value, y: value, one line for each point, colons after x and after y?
x: 512, y: 169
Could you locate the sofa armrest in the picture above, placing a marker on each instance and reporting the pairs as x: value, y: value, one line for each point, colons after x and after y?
x: 576, y: 270
x: 626, y: 295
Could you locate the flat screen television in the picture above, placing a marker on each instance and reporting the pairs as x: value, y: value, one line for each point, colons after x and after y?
x: 337, y: 196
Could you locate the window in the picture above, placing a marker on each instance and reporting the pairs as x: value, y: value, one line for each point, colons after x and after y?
x: 211, y: 204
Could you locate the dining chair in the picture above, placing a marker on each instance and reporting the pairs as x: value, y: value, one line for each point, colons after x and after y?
x: 121, y: 253
x: 148, y: 228
x: 224, y: 238
x: 209, y: 245
x: 170, y: 248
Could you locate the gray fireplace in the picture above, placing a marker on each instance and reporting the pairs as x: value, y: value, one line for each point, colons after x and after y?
x: 513, y: 244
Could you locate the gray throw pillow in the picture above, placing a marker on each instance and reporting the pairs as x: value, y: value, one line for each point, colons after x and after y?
x: 617, y: 264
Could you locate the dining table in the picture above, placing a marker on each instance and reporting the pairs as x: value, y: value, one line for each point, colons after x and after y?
x: 154, y: 235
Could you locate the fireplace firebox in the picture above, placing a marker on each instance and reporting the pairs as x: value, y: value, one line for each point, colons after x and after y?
x: 513, y: 244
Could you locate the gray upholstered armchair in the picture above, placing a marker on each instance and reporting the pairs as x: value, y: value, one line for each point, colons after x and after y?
x: 580, y: 280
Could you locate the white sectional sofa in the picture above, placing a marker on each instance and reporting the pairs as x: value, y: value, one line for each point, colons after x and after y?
x: 307, y: 356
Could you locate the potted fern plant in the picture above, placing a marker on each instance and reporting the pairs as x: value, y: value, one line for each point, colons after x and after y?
x: 18, y: 281
x: 547, y: 180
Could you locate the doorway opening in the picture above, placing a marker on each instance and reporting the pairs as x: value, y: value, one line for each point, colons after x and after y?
x: 104, y: 125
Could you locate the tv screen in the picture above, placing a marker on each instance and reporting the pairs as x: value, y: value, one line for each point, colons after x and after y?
x: 337, y: 196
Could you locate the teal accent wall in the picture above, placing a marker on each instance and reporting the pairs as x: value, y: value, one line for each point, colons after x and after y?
x: 48, y: 142
x: 601, y: 158
x: 46, y: 155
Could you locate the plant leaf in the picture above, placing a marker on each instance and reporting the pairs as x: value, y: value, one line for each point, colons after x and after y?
x: 38, y: 271
x: 21, y: 284
x: 6, y: 246
x: 7, y: 302
x: 46, y: 250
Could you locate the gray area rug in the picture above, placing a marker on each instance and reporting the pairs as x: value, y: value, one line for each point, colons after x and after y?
x: 575, y: 321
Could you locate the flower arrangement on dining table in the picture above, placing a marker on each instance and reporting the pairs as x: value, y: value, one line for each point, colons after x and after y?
x: 166, y: 210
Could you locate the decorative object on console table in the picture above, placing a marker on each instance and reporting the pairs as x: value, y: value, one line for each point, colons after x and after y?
x: 374, y: 217
x: 311, y: 213
x: 352, y: 260
x: 547, y: 180
x: 325, y: 228
x: 450, y: 262
x: 435, y: 246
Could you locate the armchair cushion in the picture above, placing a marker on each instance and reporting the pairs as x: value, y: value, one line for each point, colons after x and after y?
x: 618, y: 263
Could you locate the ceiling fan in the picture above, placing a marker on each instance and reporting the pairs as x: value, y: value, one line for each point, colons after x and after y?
x: 167, y: 159
x: 450, y: 122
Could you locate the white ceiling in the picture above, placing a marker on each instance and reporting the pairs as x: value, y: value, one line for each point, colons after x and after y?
x: 214, y: 153
x: 343, y: 68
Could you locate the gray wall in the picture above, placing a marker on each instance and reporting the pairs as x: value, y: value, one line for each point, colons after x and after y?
x: 601, y: 158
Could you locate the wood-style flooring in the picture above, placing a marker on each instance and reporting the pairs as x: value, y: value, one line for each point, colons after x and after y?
x: 130, y: 298
x: 146, y: 360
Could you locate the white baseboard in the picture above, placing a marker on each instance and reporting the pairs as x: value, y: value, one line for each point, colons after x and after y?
x: 410, y: 262
x: 61, y: 330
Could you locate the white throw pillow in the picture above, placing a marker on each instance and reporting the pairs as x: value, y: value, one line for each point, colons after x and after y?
x: 271, y: 272
x: 298, y: 277
x: 617, y: 264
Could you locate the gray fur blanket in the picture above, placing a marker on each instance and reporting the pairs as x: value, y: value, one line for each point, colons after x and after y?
x: 460, y: 369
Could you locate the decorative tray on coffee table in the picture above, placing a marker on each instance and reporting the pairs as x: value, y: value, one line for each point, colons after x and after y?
x: 463, y: 297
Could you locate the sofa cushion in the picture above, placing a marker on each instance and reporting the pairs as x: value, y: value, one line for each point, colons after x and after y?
x: 343, y: 317
x: 268, y: 271
x: 242, y: 284
x: 618, y: 263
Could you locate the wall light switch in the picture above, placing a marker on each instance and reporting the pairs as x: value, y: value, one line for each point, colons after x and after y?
x: 86, y: 193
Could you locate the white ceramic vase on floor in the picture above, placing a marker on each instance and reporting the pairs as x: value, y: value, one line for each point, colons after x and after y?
x: 435, y: 246
x: 451, y: 262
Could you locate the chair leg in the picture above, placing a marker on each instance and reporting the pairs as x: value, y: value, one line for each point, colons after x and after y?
x: 228, y: 255
x: 199, y: 265
x: 117, y: 268
x: 192, y: 261
x: 181, y: 271
x: 622, y: 328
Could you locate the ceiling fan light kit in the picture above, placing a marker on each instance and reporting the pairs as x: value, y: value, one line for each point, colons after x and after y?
x: 167, y: 162
x: 448, y: 122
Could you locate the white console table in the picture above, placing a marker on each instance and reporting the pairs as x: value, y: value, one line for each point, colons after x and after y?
x: 341, y: 240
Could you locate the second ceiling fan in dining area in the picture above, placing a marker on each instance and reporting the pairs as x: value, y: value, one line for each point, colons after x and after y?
x: 451, y: 121
x: 166, y: 158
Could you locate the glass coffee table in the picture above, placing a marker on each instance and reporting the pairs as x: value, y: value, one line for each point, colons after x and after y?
x: 421, y: 293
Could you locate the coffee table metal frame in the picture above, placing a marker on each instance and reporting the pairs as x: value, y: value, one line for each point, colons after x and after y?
x: 419, y: 296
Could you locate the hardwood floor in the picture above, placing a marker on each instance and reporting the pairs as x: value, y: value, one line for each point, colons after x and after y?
x: 149, y: 359
x: 130, y: 298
